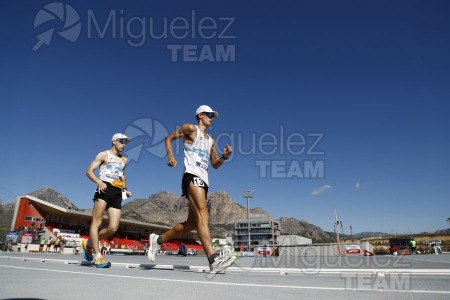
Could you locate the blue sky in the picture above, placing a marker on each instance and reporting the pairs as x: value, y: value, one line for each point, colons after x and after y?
x: 328, y: 104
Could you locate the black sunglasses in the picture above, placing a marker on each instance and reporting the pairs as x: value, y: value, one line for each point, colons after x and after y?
x: 122, y: 141
x: 209, y: 114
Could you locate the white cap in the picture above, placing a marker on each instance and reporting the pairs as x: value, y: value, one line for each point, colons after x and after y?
x: 206, y: 108
x: 119, y: 136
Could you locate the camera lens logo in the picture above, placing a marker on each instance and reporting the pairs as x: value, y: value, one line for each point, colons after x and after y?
x: 66, y: 15
x: 146, y: 134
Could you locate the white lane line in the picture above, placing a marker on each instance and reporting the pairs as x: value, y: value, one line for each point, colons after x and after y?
x: 427, y: 260
x: 281, y: 271
x: 234, y: 284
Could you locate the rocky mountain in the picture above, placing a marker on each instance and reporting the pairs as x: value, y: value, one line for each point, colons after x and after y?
x: 49, y: 195
x: 6, y: 216
x: 291, y: 225
x: 370, y: 234
x: 167, y: 209
x: 443, y: 230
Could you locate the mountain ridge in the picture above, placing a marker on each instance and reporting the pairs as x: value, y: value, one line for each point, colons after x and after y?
x: 166, y: 208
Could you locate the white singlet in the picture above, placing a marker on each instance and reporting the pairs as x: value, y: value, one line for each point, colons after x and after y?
x: 112, y: 171
x: 196, y: 156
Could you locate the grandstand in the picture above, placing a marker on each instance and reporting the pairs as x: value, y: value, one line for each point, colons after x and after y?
x: 34, y: 219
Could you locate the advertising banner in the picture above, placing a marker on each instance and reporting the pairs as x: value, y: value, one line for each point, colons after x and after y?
x: 12, y: 236
x: 352, y: 249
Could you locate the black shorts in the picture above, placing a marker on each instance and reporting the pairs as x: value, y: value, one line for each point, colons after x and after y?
x: 187, y: 178
x: 112, y: 196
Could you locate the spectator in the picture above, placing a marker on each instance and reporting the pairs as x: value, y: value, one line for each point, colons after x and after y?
x: 62, y: 244
x: 52, y: 246
x: 182, y: 250
x: 56, y: 245
x: 412, y: 245
x: 42, y: 244
x: 75, y: 247
x: 103, y: 247
x: 49, y: 244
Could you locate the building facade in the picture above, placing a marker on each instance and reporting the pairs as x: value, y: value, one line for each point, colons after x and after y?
x: 262, y: 231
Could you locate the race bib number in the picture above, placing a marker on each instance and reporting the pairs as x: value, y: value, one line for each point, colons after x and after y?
x: 198, y: 182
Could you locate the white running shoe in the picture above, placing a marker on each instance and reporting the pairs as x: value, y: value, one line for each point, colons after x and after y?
x: 221, y: 263
x: 153, y: 246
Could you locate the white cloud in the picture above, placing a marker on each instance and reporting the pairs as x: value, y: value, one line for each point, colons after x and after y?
x: 359, y: 185
x: 321, y: 190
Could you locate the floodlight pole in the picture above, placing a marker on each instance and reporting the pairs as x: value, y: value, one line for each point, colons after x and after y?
x: 336, y: 229
x: 248, y: 194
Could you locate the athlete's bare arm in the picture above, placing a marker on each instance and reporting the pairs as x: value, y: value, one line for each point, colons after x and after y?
x: 98, y: 160
x: 125, y: 178
x: 216, y: 160
x: 186, y: 131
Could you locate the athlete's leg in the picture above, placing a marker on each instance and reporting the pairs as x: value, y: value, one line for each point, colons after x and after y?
x: 113, y: 223
x: 97, y: 218
x: 181, y: 228
x: 197, y: 202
